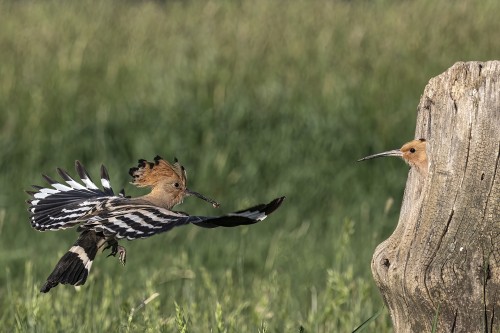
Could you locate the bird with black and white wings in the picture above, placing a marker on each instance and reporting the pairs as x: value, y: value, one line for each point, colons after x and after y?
x: 103, y: 217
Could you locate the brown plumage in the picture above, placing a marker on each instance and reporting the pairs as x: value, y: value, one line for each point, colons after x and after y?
x: 413, y: 152
x: 167, y: 182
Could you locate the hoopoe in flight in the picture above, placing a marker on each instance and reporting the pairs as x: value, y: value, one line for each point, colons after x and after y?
x: 103, y: 217
x: 412, y: 152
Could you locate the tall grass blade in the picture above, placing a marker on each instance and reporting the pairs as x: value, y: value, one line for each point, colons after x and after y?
x: 436, y: 316
x: 365, y: 324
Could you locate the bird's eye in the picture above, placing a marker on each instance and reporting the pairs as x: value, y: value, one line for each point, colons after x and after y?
x: 412, y: 150
x: 176, y: 184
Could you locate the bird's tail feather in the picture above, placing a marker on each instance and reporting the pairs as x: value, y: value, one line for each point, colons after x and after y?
x: 74, y: 266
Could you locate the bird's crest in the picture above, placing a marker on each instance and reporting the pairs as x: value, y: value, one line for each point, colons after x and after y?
x: 149, y: 174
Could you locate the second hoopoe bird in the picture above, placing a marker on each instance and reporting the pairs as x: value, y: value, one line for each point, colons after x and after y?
x: 412, y: 152
x: 103, y: 217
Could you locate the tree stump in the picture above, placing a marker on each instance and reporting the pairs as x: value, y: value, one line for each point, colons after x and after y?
x: 442, y: 263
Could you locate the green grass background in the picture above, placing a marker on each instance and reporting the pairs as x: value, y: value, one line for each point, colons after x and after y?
x: 257, y: 99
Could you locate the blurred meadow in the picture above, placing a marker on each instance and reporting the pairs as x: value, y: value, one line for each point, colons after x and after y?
x: 257, y: 99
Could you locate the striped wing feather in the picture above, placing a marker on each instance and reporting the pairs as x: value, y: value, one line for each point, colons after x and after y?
x: 62, y: 206
x: 131, y: 221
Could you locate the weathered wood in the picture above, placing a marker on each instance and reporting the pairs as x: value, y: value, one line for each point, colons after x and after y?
x: 444, y: 256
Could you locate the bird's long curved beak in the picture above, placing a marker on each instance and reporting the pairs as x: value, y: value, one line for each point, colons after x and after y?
x: 395, y: 152
x: 214, y: 203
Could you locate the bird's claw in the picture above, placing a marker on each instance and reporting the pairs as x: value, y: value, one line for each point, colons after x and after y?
x: 117, y: 249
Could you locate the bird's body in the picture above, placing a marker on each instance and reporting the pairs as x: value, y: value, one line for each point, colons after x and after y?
x: 413, y: 152
x: 103, y: 217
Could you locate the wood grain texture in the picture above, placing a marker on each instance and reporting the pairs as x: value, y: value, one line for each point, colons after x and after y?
x: 444, y: 253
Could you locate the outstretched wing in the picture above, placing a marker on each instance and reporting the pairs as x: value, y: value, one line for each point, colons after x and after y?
x: 134, y: 221
x: 243, y: 217
x: 62, y: 206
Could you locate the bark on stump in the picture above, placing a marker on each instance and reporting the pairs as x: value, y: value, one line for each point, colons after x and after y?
x: 443, y: 259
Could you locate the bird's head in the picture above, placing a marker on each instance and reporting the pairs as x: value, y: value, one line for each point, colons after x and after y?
x: 167, y: 181
x: 412, y: 152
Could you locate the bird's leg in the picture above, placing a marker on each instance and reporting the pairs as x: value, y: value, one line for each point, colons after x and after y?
x: 116, y: 249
